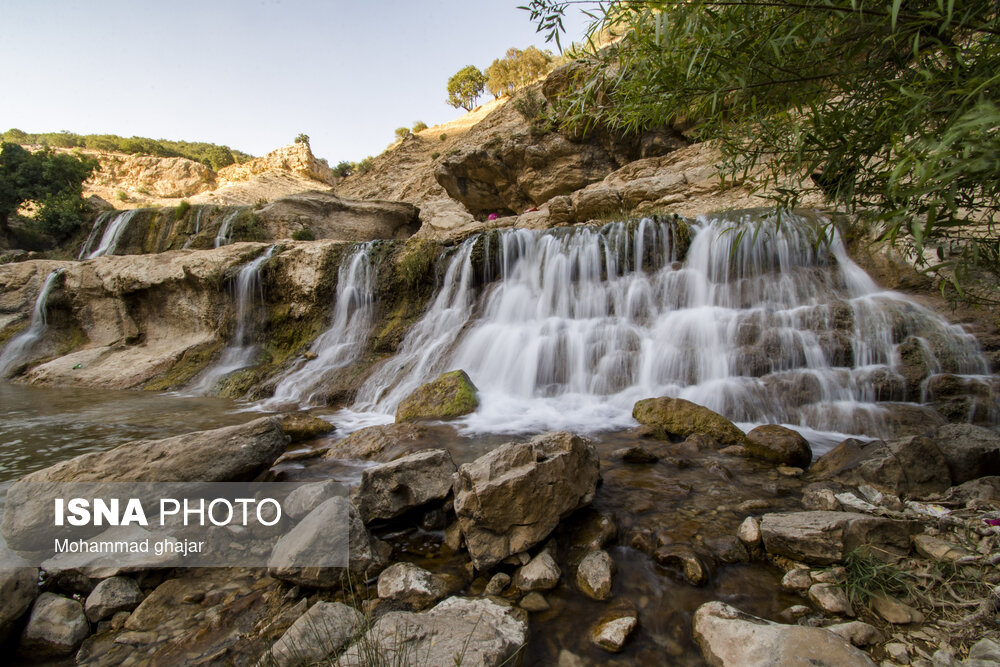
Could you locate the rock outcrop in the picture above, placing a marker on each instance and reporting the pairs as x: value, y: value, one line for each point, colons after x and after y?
x: 328, y: 216
x: 167, y: 177
x: 450, y: 395
x: 911, y: 466
x: 295, y: 158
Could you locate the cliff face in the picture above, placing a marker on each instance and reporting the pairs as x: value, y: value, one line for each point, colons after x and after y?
x: 296, y: 159
x: 165, y: 177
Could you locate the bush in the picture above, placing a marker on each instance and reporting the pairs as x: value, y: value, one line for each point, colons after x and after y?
x: 343, y: 169
x: 260, y: 203
x: 182, y: 210
x: 444, y: 136
x: 304, y: 234
x: 121, y: 195
x: 435, y: 155
x: 365, y: 165
x: 419, y: 126
x: 401, y: 132
x: 302, y: 138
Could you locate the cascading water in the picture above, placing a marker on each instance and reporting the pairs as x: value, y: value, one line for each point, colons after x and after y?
x: 226, y: 227
x: 341, y: 344
x: 18, y: 348
x: 241, y: 350
x: 197, y: 227
x: 112, y: 233
x: 768, y: 326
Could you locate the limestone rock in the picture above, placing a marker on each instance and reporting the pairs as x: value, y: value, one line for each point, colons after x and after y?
x: 937, y: 549
x: 894, y: 611
x: 309, y: 496
x: 412, y: 585
x: 512, y: 498
x: 382, y: 443
x: 779, y: 444
x: 57, y: 626
x: 161, y: 176
x: 540, y: 574
x: 328, y: 216
x: 232, y: 453
x: 451, y: 395
x: 111, y: 596
x: 858, y: 633
x: 796, y: 579
x: 694, y: 565
x: 391, y: 489
x: 498, y: 582
x: 296, y: 158
x: 303, y: 426
x: 481, y: 631
x: 680, y: 418
x: 320, y: 534
x: 823, y: 538
x: 611, y: 635
x: 749, y: 531
x: 322, y: 631
x: 912, y: 466
x: 730, y: 638
x: 970, y: 451
x: 18, y: 589
x: 595, y: 575
x: 534, y: 602
x: 830, y: 599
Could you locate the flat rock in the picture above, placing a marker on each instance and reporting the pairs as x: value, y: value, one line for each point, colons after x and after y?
x: 411, y: 585
x: 111, y: 596
x: 937, y: 549
x: 382, y: 443
x: 823, y: 538
x: 894, y: 611
x: 611, y: 635
x: 57, y: 626
x: 390, y: 489
x: 730, y: 638
x: 676, y: 417
x: 512, y: 498
x: 322, y: 631
x: 595, y: 575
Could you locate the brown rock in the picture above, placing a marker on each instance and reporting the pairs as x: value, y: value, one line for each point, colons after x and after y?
x: 680, y: 418
x: 779, y: 444
x: 823, y: 538
x: 912, y: 466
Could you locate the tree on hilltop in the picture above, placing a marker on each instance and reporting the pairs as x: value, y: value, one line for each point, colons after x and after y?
x: 465, y: 87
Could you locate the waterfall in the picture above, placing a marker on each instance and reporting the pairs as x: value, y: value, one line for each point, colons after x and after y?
x: 341, y: 344
x: 225, y: 227
x: 768, y: 325
x: 18, y: 348
x: 241, y: 350
x: 197, y: 228
x: 112, y: 233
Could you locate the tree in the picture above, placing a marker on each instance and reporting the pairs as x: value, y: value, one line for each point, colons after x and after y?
x: 516, y: 69
x: 401, y: 132
x: 302, y: 138
x: 892, y: 108
x: 465, y: 87
x: 54, y: 181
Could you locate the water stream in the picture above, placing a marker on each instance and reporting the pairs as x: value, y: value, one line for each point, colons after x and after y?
x: 16, y: 351
x: 222, y: 237
x: 112, y: 233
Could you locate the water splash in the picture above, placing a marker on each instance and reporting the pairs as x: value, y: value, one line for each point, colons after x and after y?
x: 242, y: 349
x: 341, y: 344
x: 112, y: 233
x: 767, y: 326
x: 18, y: 349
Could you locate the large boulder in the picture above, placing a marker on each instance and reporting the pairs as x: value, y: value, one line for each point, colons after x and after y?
x: 480, y: 633
x: 390, y: 489
x: 111, y: 596
x: 512, y: 498
x: 729, y: 637
x: 676, y: 417
x: 970, y: 451
x: 823, y: 537
x: 56, y: 628
x: 18, y: 589
x: 451, y: 395
x: 322, y: 631
x: 328, y: 529
x: 229, y: 454
x: 912, y: 466
x: 779, y: 444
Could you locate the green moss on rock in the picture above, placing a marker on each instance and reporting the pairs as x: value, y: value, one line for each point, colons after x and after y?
x: 680, y: 418
x: 192, y: 362
x: 451, y: 395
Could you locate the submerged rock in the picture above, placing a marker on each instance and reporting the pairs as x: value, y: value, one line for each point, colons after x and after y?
x: 823, y: 538
x: 388, y: 490
x: 512, y: 498
x: 779, y: 444
x: 595, y: 575
x: 451, y: 395
x: 56, y: 628
x: 680, y: 418
x: 729, y: 637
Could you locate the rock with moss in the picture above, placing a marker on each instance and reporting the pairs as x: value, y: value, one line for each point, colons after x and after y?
x: 303, y: 426
x: 451, y: 395
x: 676, y: 417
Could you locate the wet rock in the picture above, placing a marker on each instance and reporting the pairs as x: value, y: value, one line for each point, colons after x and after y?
x: 970, y: 451
x: 682, y: 557
x: 322, y: 631
x: 728, y: 549
x: 481, y: 631
x: 937, y: 549
x: 382, y: 443
x: 893, y: 611
x: 796, y: 579
x: 388, y: 490
x: 320, y: 534
x: 858, y: 633
x: 964, y: 399
x: 830, y: 599
x: 779, y: 444
x: 497, y: 584
x: 595, y: 531
x: 512, y: 498
x: 595, y: 575
x: 540, y: 574
x: 308, y: 497
x: 680, y: 418
x: 611, y: 635
x: 411, y: 585
x: 749, y: 531
x: 912, y: 466
x: 730, y: 638
x: 18, y: 589
x: 57, y: 626
x: 534, y: 602
x: 451, y: 395
x: 232, y: 453
x: 823, y: 538
x: 914, y: 366
x: 635, y: 454
x: 112, y: 596
x: 300, y: 426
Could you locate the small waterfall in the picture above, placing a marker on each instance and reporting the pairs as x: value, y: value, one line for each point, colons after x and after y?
x: 197, y: 228
x: 18, y: 348
x: 112, y: 233
x: 341, y: 344
x: 99, y: 222
x: 771, y: 325
x: 241, y: 350
x: 226, y: 227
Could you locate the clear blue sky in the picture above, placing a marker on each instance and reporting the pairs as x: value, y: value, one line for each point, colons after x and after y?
x: 251, y: 74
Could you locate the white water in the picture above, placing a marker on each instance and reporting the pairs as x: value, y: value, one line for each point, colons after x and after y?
x: 241, y: 350
x: 112, y: 233
x: 765, y: 328
x: 18, y: 348
x: 225, y: 227
x: 341, y: 344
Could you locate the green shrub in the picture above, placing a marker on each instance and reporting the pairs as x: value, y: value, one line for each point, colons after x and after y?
x: 401, y: 132
x: 304, y: 234
x: 419, y: 126
x: 302, y: 138
x: 365, y: 165
x: 260, y: 203
x: 343, y: 169
x: 444, y: 136
x: 435, y: 155
x: 121, y: 195
x: 182, y: 210
x: 249, y: 228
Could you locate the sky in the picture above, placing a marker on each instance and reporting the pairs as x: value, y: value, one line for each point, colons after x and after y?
x: 250, y: 74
